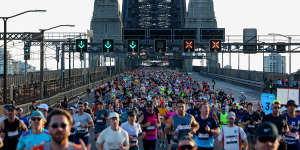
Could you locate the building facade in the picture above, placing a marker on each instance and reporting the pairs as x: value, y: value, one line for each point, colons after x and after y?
x: 154, y: 14
x: 275, y: 63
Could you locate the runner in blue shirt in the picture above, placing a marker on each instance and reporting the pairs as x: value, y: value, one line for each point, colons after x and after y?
x: 208, y: 128
x: 37, y: 135
x: 292, y: 137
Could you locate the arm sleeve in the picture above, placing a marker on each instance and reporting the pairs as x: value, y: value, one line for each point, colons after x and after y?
x: 21, y: 144
x: 89, y: 118
x: 126, y: 142
x: 220, y: 135
x: 243, y: 134
x: 100, y: 138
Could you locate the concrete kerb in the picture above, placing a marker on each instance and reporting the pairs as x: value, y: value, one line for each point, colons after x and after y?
x: 51, y: 101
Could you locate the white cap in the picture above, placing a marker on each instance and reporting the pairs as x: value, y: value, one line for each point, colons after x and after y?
x: 283, y: 109
x: 43, y: 106
x: 72, y: 108
x: 113, y: 115
x: 298, y: 109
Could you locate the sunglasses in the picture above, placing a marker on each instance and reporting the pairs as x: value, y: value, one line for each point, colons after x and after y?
x: 276, y: 107
x: 56, y: 125
x: 265, y: 139
x: 36, y: 118
x: 186, y: 147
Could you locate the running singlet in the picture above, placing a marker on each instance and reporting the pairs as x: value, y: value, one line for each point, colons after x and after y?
x: 47, y: 146
x: 28, y: 139
x: 182, y: 126
x: 231, y: 137
x: 203, y: 138
x: 151, y: 131
x: 293, y: 136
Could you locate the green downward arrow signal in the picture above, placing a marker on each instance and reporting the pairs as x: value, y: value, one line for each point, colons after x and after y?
x: 81, y: 45
x: 107, y: 45
x: 132, y: 45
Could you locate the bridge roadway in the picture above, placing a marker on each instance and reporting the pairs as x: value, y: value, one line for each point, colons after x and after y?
x: 251, y: 95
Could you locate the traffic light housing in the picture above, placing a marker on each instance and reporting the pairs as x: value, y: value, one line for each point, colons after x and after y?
x: 133, y: 45
x: 81, y: 45
x: 27, y: 45
x: 215, y: 45
x: 160, y: 46
x: 108, y: 45
x: 81, y: 55
x: 189, y: 45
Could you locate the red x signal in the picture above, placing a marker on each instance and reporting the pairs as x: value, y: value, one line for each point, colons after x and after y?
x: 188, y: 45
x: 215, y: 45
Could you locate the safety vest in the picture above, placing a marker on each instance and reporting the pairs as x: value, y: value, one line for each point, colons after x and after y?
x: 223, y: 118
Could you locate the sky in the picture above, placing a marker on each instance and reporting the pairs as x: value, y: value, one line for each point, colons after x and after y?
x: 268, y: 16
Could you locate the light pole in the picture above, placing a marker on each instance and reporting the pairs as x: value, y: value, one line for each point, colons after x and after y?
x: 42, y: 56
x: 5, y: 50
x: 289, y: 48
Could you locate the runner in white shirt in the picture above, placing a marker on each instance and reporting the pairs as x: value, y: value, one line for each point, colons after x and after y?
x: 113, y: 137
x: 231, y: 136
x: 134, y: 130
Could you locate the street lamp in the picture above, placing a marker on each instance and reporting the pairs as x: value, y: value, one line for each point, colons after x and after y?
x: 42, y: 56
x: 5, y: 50
x: 289, y: 48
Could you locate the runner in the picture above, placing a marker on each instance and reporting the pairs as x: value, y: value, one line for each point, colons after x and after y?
x: 101, y: 115
x: 292, y: 137
x: 231, y: 136
x: 279, y: 121
x: 134, y: 130
x: 181, y: 124
x: 249, y: 122
x: 82, y: 122
x: 162, y: 112
x: 60, y: 123
x: 208, y: 128
x: 11, y: 128
x: 37, y: 135
x: 267, y: 137
x: 149, y: 122
x: 113, y: 137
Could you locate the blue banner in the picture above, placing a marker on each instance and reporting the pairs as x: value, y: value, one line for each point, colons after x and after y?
x: 266, y: 102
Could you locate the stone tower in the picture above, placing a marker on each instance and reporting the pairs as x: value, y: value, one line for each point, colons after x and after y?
x: 106, y: 24
x: 201, y: 14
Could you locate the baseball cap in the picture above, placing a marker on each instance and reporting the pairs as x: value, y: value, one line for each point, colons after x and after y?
x: 37, y: 113
x: 149, y: 103
x: 113, y: 115
x: 9, y: 107
x: 19, y: 109
x: 43, y: 106
x: 291, y: 102
x: 131, y: 113
x: 71, y: 108
x: 283, y: 109
x: 276, y: 102
x: 267, y: 129
x: 231, y: 115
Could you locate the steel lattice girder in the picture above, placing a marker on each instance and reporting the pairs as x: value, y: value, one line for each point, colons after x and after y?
x: 21, y: 36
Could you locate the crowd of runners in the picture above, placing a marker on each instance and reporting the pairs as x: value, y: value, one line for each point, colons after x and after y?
x: 152, y: 109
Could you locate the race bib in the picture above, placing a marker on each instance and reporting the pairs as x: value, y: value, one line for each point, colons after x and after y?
x: 203, y: 136
x: 231, y: 139
x: 161, y: 117
x: 183, y: 127
x: 99, y: 121
x: 151, y: 128
x: 134, y: 139
x: 13, y: 133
